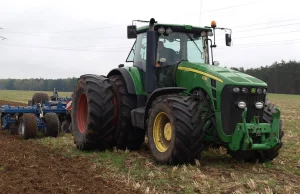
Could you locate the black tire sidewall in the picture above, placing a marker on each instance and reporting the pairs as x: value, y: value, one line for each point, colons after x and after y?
x: 52, y: 124
x: 126, y: 136
x: 161, y: 157
x: 80, y: 138
x: 30, y: 126
x: 65, y: 126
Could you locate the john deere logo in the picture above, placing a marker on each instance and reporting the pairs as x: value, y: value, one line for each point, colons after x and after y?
x: 253, y: 90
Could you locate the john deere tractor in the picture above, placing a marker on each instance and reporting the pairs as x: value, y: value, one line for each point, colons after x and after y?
x: 177, y: 96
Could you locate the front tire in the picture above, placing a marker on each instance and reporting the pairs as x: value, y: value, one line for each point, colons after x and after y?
x: 93, y: 113
x: 175, y: 129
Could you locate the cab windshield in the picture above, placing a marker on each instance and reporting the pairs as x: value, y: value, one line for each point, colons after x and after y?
x: 171, y: 49
x: 180, y: 46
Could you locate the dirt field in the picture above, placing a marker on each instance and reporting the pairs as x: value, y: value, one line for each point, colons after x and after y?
x: 5, y: 102
x: 54, y: 165
x: 29, y: 167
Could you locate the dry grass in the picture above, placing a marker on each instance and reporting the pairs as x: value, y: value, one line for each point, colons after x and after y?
x: 215, y: 172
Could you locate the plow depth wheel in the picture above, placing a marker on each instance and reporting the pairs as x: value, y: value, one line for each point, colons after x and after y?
x: 52, y: 124
x: 28, y: 126
x: 39, y: 97
x: 65, y: 126
x: 175, y: 129
x: 93, y: 113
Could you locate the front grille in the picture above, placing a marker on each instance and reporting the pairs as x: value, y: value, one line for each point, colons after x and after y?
x: 231, y: 114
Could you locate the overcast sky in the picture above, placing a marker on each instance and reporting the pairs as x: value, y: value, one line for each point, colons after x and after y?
x: 60, y: 38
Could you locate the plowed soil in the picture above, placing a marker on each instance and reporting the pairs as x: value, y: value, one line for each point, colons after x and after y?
x: 29, y: 167
x: 5, y: 102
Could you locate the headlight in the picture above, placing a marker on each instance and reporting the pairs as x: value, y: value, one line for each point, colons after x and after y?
x: 169, y: 31
x: 242, y: 105
x: 236, y: 90
x: 245, y: 90
x: 265, y: 90
x: 259, y: 90
x: 161, y: 30
x: 259, y: 105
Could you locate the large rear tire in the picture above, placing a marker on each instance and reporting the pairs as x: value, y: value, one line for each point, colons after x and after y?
x: 175, y: 129
x: 28, y: 126
x: 125, y: 136
x: 261, y: 155
x: 52, y: 125
x: 93, y: 113
x: 39, y: 97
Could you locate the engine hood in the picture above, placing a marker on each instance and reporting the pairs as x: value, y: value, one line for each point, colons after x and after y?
x: 223, y: 75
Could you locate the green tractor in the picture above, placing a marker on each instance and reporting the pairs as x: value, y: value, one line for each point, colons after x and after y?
x: 176, y: 95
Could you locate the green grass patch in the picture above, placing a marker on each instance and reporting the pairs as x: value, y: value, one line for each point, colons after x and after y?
x: 283, y: 97
x: 24, y: 96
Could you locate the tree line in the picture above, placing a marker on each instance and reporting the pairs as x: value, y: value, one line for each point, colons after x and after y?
x: 63, y: 85
x: 282, y: 77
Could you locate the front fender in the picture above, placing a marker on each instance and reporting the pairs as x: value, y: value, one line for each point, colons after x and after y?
x: 159, y: 92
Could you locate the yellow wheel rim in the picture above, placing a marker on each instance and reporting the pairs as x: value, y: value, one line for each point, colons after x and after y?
x: 162, y: 131
x: 168, y: 131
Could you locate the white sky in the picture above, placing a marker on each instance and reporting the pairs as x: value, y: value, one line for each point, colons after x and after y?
x: 60, y: 38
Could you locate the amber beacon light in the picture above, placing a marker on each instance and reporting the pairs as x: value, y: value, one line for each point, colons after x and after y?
x: 213, y: 24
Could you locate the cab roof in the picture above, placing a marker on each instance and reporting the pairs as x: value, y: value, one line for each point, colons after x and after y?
x: 175, y: 27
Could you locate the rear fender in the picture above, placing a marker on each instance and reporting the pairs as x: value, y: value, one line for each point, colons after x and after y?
x: 128, y: 80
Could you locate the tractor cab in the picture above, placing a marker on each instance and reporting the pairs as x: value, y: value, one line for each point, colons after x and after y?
x: 160, y: 48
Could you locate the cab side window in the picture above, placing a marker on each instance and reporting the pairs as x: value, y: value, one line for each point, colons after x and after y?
x: 141, y: 52
x: 130, y: 57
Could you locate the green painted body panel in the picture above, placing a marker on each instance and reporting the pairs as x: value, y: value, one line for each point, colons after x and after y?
x: 193, y: 76
x: 137, y: 80
x: 201, y: 79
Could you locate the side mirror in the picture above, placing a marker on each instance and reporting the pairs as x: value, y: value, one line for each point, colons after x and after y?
x: 228, y: 39
x: 131, y: 32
